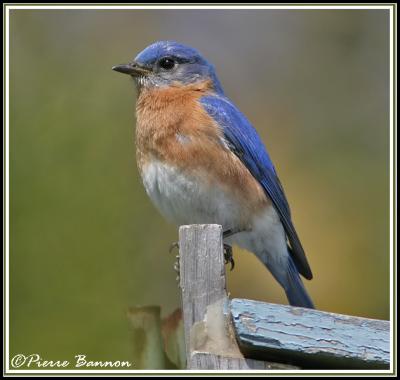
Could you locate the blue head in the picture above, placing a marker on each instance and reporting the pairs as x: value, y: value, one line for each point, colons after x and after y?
x: 166, y: 63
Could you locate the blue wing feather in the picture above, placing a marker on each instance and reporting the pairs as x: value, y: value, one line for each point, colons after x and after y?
x: 245, y: 142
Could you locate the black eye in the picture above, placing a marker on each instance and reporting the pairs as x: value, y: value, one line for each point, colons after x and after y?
x: 167, y: 63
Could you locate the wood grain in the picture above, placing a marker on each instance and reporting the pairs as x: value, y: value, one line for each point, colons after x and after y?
x: 202, y: 275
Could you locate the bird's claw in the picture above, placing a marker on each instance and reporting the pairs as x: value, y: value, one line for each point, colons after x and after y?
x: 228, y: 255
x: 174, y: 245
x: 177, y: 267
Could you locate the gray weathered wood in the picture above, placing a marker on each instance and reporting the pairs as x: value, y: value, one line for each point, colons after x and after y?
x: 205, y: 360
x: 202, y: 274
x: 209, y: 336
x: 310, y: 338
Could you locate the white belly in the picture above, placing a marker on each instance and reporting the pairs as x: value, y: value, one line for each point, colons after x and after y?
x: 185, y: 199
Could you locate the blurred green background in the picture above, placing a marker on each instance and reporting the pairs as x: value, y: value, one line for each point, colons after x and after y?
x: 85, y: 241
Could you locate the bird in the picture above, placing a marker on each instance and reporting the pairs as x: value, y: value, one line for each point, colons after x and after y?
x: 202, y: 162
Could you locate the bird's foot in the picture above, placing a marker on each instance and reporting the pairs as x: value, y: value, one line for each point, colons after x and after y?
x: 174, y: 245
x: 228, y: 255
x: 177, y: 268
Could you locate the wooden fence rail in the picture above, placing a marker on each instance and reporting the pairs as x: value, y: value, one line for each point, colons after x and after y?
x: 244, y: 334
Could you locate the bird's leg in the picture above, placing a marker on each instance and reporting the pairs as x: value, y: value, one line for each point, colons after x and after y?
x: 177, y: 267
x: 230, y: 232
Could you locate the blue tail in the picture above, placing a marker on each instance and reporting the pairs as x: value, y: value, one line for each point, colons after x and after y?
x: 294, y: 288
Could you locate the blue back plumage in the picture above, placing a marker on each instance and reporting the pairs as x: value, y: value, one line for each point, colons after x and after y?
x: 245, y: 142
x: 241, y: 135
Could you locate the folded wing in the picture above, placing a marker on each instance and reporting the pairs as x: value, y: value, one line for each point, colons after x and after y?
x: 245, y: 142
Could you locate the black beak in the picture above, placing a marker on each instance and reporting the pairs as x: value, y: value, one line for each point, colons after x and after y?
x: 133, y: 69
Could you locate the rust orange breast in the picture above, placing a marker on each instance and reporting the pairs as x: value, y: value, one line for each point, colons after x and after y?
x: 172, y: 127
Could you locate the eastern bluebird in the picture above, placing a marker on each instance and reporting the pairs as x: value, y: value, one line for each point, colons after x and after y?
x: 201, y: 161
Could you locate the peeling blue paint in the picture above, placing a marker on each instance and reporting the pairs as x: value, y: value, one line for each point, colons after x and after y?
x: 310, y: 338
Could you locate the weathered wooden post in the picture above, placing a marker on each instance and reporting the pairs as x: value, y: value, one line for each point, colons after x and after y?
x: 209, y: 336
x: 230, y: 334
